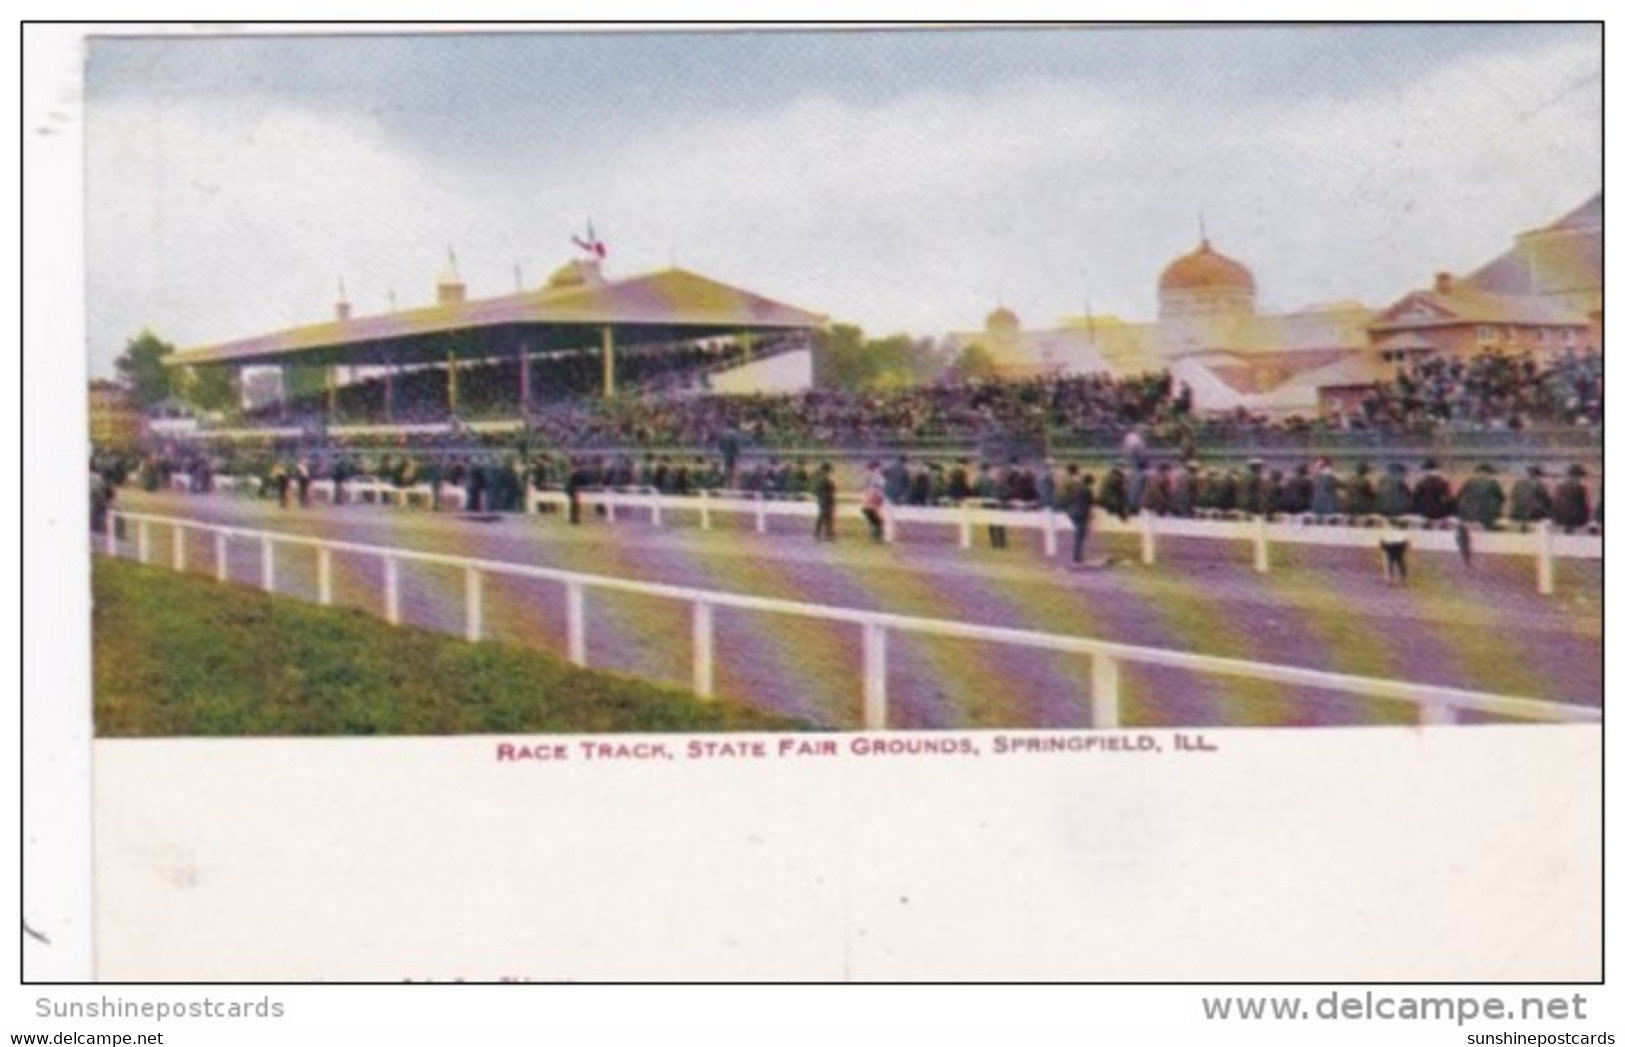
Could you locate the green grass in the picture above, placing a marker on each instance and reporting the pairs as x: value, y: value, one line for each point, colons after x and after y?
x: 179, y: 655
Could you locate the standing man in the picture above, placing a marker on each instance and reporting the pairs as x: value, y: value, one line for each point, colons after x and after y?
x: 1080, y: 504
x: 573, y: 483
x: 729, y: 446
x: 1432, y: 499
x: 1571, y: 502
x: 1531, y: 500
x: 824, y: 492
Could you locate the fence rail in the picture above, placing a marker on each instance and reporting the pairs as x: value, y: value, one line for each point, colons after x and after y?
x: 1542, y: 543
x: 1435, y: 705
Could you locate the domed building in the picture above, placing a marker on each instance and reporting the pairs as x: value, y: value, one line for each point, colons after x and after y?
x: 1204, y: 283
x: 1002, y: 321
x: 1208, y: 332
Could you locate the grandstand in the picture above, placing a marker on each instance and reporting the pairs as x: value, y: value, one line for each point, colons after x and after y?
x: 510, y: 354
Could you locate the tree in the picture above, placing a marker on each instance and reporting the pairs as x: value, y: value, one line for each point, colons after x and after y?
x: 845, y: 359
x: 211, y: 388
x: 142, y: 369
x: 974, y: 362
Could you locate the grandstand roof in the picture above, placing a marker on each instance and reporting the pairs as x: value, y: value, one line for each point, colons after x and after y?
x: 667, y: 306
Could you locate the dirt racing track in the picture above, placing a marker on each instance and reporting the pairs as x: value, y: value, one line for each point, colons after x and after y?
x: 1481, y: 628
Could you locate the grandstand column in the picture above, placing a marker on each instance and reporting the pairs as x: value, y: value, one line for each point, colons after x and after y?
x: 389, y: 391
x: 746, y: 346
x: 332, y: 377
x: 524, y: 376
x: 451, y: 381
x: 609, y: 362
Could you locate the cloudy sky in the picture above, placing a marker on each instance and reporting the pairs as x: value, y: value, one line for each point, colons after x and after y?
x: 904, y: 181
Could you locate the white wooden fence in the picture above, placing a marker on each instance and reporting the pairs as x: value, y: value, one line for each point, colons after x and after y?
x: 1541, y: 543
x: 1435, y: 705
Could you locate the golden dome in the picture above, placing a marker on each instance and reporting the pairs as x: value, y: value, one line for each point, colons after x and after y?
x: 1205, y: 269
x: 1003, y: 319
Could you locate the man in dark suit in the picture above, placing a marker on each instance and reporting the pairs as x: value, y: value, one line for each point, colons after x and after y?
x: 1571, y: 502
x: 1080, y: 503
x: 1432, y: 499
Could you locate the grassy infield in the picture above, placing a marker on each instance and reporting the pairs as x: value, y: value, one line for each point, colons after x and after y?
x: 184, y: 655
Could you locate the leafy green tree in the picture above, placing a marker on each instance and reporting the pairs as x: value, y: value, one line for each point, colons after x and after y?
x: 845, y: 359
x: 211, y: 388
x: 974, y: 361
x: 142, y: 370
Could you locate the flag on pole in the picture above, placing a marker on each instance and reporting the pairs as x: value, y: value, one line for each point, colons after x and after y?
x: 591, y: 244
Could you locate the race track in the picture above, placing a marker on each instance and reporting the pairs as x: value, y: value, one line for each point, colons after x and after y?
x: 1482, y: 628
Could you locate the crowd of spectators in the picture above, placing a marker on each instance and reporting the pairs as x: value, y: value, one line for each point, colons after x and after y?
x: 666, y: 405
x: 491, y: 389
x: 1492, y: 389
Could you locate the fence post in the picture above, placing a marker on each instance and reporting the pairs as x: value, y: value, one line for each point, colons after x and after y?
x: 874, y: 677
x: 324, y: 575
x: 1148, y: 538
x: 1050, y: 545
x: 473, y: 585
x: 704, y: 650
x: 1105, y: 692
x: 392, y: 590
x: 1261, y: 545
x: 222, y: 568
x: 141, y: 541
x: 1545, y: 580
x: 267, y: 564
x: 575, y: 622
x: 1438, y: 714
x: 761, y: 514
x: 177, y: 546
x: 705, y: 510
x: 964, y: 525
x: 111, y: 526
x: 654, y: 515
x: 609, y: 506
x: 888, y: 524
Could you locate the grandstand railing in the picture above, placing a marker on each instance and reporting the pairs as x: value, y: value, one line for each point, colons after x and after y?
x: 1435, y: 705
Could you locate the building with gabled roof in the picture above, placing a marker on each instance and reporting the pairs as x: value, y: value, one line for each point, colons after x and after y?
x: 577, y: 310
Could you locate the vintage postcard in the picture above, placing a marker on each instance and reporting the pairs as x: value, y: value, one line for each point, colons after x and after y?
x: 1088, y: 504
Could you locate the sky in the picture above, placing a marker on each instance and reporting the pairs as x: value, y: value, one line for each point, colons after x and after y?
x: 904, y: 180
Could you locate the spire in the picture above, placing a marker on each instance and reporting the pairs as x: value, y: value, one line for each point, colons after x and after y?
x: 1201, y: 227
x: 449, y: 289
x: 341, y: 308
